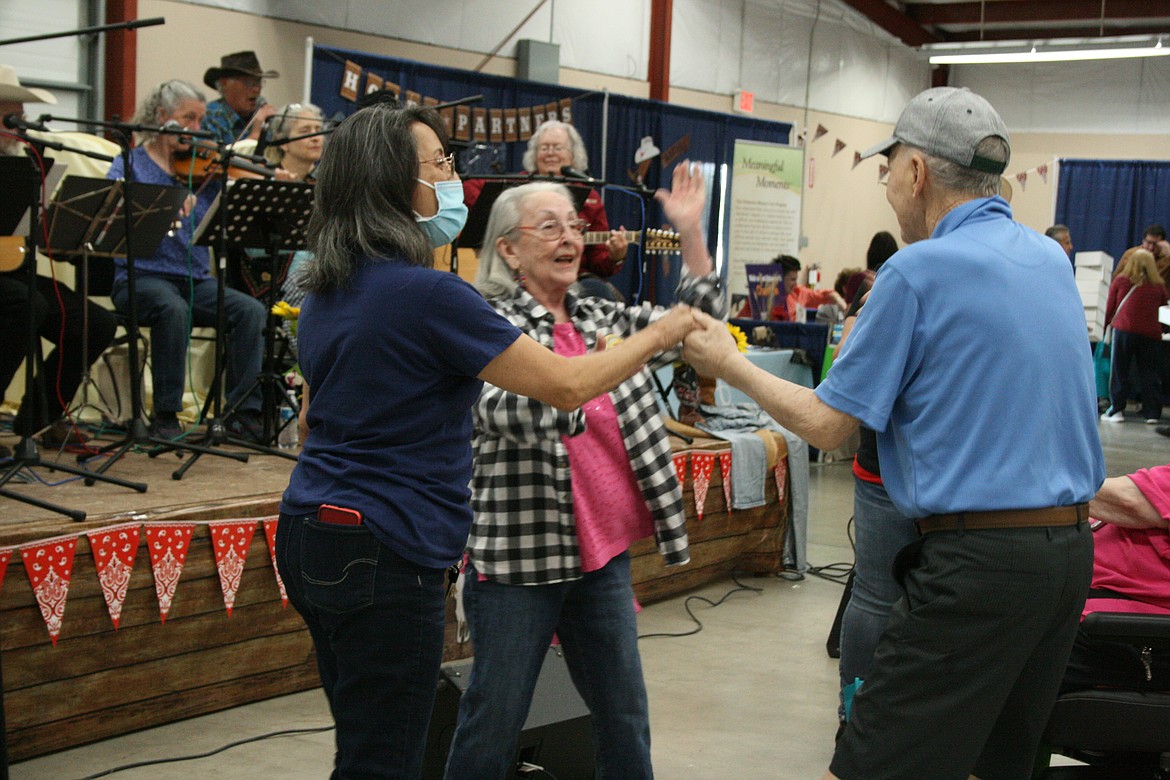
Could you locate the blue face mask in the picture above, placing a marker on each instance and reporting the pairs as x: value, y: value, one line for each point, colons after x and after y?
x: 446, y: 223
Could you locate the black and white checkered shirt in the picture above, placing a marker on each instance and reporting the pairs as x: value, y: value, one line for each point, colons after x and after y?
x: 525, y: 531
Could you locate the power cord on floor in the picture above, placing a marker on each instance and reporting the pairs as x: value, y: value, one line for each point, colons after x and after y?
x: 833, y: 572
x: 740, y: 588
x: 176, y: 759
x: 527, y: 768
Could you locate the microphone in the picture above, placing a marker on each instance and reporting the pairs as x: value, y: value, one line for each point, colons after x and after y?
x: 569, y: 172
x: 18, y: 122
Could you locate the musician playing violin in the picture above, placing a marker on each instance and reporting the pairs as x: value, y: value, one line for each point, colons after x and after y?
x: 174, y: 287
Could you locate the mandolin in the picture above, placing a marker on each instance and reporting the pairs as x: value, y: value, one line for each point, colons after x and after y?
x: 12, y: 252
x: 658, y: 242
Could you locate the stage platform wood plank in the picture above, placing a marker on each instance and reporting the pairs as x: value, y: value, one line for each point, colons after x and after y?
x: 99, y: 682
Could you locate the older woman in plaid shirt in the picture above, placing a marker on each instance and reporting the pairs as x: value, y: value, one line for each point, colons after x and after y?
x: 559, y: 496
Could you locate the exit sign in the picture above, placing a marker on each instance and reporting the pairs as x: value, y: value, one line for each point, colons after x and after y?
x: 745, y: 101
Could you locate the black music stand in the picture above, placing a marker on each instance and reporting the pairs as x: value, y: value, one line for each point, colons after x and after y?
x: 271, y: 215
x: 231, y: 218
x: 23, y: 174
x: 137, y: 219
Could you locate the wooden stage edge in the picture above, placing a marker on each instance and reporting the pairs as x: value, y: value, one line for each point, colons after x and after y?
x: 97, y: 682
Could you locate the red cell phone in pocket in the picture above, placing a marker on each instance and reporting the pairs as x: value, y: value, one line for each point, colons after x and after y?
x: 338, y: 515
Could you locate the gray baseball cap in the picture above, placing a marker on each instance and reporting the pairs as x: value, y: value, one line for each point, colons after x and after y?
x: 948, y: 122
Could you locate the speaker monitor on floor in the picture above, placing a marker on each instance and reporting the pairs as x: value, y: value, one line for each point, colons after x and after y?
x: 557, y: 735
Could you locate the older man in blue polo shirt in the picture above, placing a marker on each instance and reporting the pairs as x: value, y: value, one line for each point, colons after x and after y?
x: 970, y: 362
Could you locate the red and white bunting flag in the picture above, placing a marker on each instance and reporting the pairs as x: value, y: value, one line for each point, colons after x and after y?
x: 856, y: 159
x: 1043, y: 171
x: 270, y: 534
x: 1022, y: 178
x: 702, y: 464
x: 781, y: 474
x: 838, y: 145
x: 50, y: 566
x: 725, y: 470
x: 5, y: 555
x: 883, y: 171
x: 230, y: 540
x: 114, y: 550
x: 680, y: 467
x: 168, y: 544
x: 821, y: 130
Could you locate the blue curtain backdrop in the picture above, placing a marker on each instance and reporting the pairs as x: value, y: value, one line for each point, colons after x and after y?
x: 1108, y: 203
x: 711, y: 135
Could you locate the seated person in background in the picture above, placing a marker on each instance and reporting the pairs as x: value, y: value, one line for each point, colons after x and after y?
x: 553, y: 146
x: 240, y: 111
x: 1131, y: 573
x: 798, y: 296
x: 1061, y: 235
x: 60, y: 320
x: 179, y: 275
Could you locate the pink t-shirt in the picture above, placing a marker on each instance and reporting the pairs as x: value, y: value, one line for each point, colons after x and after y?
x: 610, y: 511
x: 1136, y: 562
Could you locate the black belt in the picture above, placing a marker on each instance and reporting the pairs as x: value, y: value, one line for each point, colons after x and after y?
x: 1005, y: 518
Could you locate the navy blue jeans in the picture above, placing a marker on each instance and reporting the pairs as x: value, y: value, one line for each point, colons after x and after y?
x: 1146, y: 353
x: 377, y: 625
x: 164, y: 305
x: 511, y: 629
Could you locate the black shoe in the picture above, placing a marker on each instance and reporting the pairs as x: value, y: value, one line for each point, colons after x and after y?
x: 166, y: 426
x: 245, y: 425
x: 1163, y: 429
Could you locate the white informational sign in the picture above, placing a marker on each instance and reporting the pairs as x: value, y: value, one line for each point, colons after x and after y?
x: 764, y: 219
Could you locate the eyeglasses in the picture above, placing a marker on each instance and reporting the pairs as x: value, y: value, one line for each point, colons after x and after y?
x: 552, y: 229
x: 251, y: 82
x: 552, y: 148
x: 443, y: 163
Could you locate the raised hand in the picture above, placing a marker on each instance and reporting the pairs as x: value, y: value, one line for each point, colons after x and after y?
x: 683, y: 203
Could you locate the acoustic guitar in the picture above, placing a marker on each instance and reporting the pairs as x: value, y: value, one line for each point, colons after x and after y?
x: 658, y: 242
x: 12, y: 251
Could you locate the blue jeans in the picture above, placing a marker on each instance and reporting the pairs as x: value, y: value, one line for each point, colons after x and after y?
x: 164, y: 305
x: 511, y: 628
x: 880, y: 531
x: 377, y: 625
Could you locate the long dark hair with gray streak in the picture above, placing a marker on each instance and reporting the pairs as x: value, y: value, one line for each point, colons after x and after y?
x: 363, y: 195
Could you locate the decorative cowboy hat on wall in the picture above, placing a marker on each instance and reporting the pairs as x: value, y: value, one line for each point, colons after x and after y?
x: 242, y: 63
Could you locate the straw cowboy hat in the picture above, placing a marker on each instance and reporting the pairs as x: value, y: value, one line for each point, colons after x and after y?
x: 242, y: 63
x: 12, y: 91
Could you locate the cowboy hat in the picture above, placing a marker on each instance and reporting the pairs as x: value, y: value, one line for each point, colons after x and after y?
x: 242, y: 63
x: 12, y: 91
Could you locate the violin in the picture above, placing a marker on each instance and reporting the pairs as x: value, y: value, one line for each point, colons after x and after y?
x: 206, y: 163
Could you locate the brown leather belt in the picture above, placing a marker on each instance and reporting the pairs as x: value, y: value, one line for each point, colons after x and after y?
x: 1005, y: 518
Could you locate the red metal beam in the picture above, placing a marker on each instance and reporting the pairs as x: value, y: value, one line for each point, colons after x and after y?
x: 893, y: 21
x: 1046, y: 33
x: 121, y: 59
x: 929, y: 14
x: 661, y: 18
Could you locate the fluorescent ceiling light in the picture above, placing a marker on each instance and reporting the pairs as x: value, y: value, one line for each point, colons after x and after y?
x: 1059, y: 50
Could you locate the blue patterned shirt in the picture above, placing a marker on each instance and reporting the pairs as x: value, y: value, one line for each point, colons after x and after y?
x: 222, y: 120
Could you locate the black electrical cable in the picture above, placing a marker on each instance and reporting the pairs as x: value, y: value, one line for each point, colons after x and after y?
x: 176, y: 759
x: 740, y: 587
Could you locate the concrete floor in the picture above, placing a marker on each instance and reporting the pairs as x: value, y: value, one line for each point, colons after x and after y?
x: 752, y: 695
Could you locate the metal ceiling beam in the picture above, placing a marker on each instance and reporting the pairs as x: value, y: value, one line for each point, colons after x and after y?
x: 894, y: 22
x: 1009, y: 11
x: 1049, y: 33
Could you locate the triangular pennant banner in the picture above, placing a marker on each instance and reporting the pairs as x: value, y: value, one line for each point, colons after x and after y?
x: 1022, y: 178
x: 168, y: 544
x: 270, y: 533
x: 838, y: 145
x: 1043, y: 171
x: 680, y: 467
x: 50, y: 566
x: 821, y: 130
x: 781, y: 474
x: 5, y: 555
x: 230, y: 540
x: 883, y: 171
x: 114, y: 550
x: 725, y: 470
x: 702, y: 464
x: 856, y: 159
